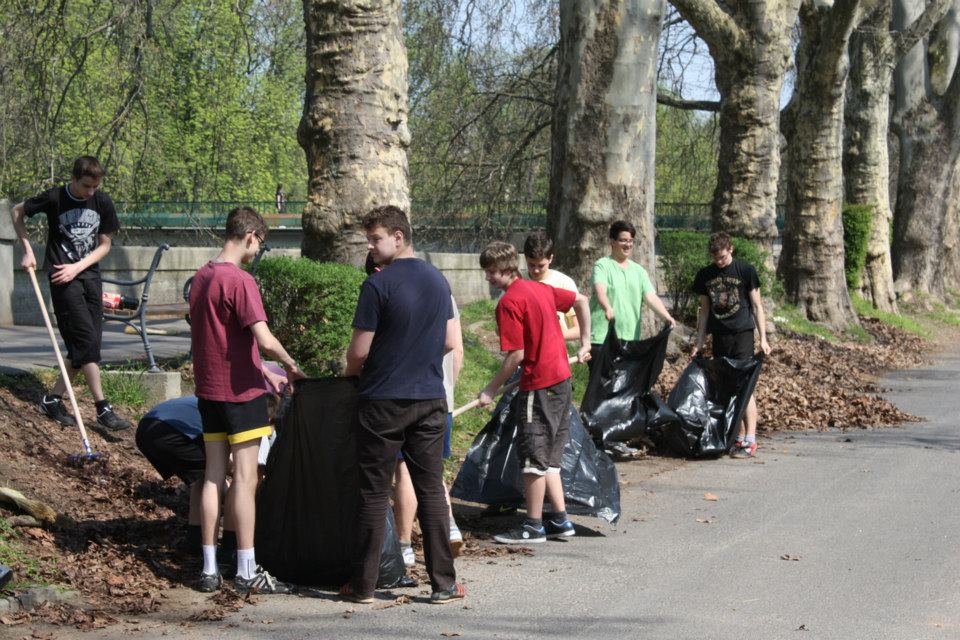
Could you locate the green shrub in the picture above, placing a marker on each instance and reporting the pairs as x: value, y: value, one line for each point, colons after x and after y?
x: 310, y: 306
x: 683, y: 253
x: 856, y: 233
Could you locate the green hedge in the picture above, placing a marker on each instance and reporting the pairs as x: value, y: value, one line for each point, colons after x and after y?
x: 310, y: 306
x: 683, y: 253
x: 857, y: 219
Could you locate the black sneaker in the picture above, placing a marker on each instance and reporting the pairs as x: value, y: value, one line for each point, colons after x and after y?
x: 52, y: 407
x: 111, y: 421
x: 524, y: 535
x: 559, y: 529
x: 209, y: 582
x: 495, y: 510
x: 261, y: 582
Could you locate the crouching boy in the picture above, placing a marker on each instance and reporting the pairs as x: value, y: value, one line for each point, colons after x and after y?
x: 531, y: 337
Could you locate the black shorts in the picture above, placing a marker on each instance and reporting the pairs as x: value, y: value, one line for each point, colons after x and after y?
x: 544, y: 427
x: 738, y: 346
x: 170, y: 452
x: 79, y: 310
x: 234, y: 422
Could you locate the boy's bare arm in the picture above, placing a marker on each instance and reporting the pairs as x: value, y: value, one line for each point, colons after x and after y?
x: 601, y: 291
x: 29, y: 260
x: 64, y: 273
x: 760, y: 319
x: 358, y: 351
x: 455, y: 342
x: 703, y: 313
x: 581, y: 307
x: 510, y: 363
x: 269, y: 344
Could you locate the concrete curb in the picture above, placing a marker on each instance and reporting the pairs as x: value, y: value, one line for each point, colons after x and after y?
x: 33, y: 597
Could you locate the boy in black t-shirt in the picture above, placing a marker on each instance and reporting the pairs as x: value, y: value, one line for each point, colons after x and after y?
x: 80, y: 224
x: 730, y: 307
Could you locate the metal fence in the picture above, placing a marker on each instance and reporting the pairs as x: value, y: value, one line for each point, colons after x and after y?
x: 461, y: 216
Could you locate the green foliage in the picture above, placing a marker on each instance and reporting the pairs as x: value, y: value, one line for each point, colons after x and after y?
x: 310, y: 306
x: 682, y: 254
x: 856, y: 233
x: 686, y: 160
x: 181, y: 101
x: 789, y: 318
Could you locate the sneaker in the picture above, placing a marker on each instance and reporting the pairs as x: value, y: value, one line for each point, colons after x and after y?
x: 748, y: 450
x: 52, y: 407
x: 456, y: 592
x: 456, y: 539
x: 409, y: 559
x: 261, y: 582
x: 346, y: 592
x: 111, y: 421
x: 498, y: 510
x: 209, y: 582
x: 524, y: 535
x: 556, y: 530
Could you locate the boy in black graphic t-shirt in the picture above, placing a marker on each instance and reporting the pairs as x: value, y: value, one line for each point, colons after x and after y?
x: 730, y: 307
x: 80, y: 223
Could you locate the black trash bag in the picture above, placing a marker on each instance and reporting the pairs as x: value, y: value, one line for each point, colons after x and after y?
x: 618, y: 400
x: 491, y: 474
x: 708, y: 402
x: 307, y: 504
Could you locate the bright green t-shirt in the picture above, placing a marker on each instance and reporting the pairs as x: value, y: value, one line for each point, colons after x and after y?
x: 626, y: 288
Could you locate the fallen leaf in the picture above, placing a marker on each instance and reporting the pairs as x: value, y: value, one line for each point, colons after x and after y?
x: 451, y: 634
x: 710, y: 497
x: 787, y: 556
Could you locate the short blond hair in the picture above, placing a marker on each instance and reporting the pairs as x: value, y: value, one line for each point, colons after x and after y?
x: 501, y: 256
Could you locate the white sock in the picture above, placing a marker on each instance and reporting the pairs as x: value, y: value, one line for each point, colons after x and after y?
x: 210, y: 559
x: 246, y: 563
x: 751, y: 439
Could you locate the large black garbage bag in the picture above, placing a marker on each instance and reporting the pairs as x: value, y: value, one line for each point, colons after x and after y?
x: 490, y: 474
x: 307, y: 504
x: 618, y: 400
x: 708, y: 402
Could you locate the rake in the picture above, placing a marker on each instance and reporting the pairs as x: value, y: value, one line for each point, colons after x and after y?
x: 88, y: 454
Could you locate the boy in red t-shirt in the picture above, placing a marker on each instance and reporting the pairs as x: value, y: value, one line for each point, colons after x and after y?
x: 531, y: 337
x: 228, y: 331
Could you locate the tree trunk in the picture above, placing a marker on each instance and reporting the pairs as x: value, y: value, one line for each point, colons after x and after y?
x: 604, y: 130
x: 749, y: 79
x: 927, y: 122
x: 811, y: 264
x: 866, y: 162
x: 354, y: 125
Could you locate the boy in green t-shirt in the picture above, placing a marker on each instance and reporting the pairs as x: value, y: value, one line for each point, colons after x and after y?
x: 620, y: 287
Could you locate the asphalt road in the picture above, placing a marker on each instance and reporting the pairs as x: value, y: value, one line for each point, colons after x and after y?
x: 826, y: 535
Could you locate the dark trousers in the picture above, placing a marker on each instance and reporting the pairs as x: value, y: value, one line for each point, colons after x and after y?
x: 416, y: 427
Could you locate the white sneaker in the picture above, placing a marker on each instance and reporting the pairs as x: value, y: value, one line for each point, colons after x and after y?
x: 408, y: 558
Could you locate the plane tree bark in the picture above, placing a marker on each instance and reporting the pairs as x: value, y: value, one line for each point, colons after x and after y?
x: 604, y: 130
x: 750, y: 45
x: 354, y: 124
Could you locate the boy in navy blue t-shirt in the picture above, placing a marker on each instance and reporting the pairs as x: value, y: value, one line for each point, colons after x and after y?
x: 399, y: 338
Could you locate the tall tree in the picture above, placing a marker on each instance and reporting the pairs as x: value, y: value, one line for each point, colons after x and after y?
x: 927, y: 121
x: 354, y: 125
x: 604, y: 131
x: 751, y: 48
x: 811, y: 262
x: 874, y: 52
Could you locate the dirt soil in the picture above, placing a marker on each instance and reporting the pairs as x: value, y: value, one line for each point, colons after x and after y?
x: 122, y: 545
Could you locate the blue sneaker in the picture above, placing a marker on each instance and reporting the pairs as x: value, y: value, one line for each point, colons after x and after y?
x: 556, y: 530
x: 524, y: 535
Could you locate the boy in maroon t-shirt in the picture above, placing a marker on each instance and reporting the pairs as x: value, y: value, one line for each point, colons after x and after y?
x: 531, y: 337
x: 228, y: 331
